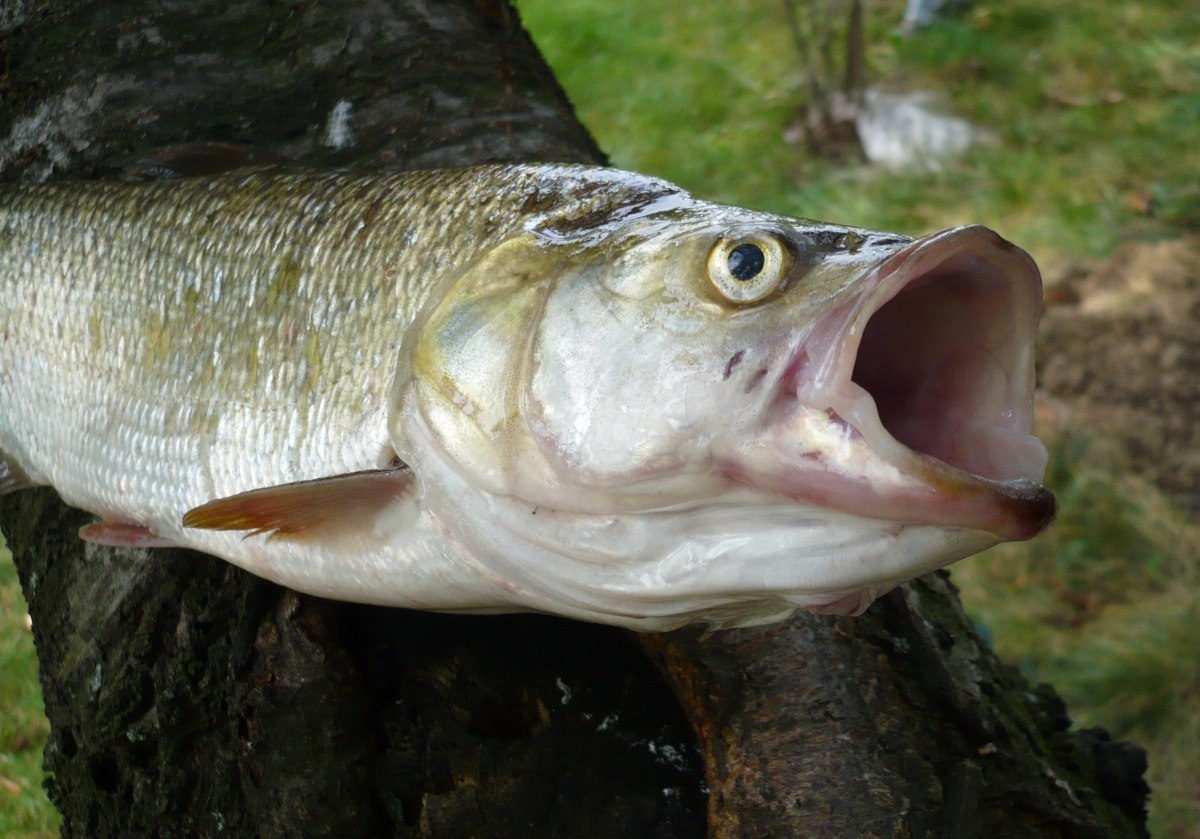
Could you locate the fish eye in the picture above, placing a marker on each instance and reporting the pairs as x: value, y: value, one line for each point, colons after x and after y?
x: 747, y: 268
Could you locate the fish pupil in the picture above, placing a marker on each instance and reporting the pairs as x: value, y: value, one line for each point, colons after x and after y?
x: 746, y: 261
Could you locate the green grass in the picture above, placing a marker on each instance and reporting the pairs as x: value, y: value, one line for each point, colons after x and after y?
x: 24, y: 809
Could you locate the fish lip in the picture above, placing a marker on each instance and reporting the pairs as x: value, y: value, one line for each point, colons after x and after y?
x: 963, y: 456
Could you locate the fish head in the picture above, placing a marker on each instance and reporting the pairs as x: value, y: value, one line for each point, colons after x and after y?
x: 724, y: 415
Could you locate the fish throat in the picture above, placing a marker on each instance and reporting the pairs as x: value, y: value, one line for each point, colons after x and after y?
x: 943, y: 365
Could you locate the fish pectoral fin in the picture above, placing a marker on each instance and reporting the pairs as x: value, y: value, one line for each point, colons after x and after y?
x: 361, y: 503
x: 11, y: 476
x: 117, y: 534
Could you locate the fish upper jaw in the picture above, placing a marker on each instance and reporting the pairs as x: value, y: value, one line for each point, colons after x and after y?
x: 912, y: 399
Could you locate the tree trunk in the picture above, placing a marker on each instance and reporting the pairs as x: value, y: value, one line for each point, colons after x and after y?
x: 189, y: 698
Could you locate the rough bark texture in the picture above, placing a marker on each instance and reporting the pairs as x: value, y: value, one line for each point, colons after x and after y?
x: 188, y: 698
x: 897, y: 723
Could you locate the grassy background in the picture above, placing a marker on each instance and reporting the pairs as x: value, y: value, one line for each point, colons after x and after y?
x: 1093, y: 114
x: 25, y: 812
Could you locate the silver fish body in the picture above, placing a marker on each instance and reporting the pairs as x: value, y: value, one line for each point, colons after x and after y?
x: 564, y: 389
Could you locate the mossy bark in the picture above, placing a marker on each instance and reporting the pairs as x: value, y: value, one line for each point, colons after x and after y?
x: 188, y: 698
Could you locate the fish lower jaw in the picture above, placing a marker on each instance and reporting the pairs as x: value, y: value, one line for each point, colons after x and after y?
x: 841, y: 456
x: 975, y: 444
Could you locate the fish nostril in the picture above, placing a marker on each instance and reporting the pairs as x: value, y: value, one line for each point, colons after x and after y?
x: 734, y: 361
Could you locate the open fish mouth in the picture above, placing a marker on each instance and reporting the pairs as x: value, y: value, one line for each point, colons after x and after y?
x: 913, y: 400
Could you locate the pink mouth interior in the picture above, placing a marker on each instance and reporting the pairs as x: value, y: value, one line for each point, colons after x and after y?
x: 946, y: 361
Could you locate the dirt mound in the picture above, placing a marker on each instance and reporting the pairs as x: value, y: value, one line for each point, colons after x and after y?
x: 1120, y: 354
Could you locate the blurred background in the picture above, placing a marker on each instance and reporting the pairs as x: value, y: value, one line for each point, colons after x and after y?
x: 1072, y: 128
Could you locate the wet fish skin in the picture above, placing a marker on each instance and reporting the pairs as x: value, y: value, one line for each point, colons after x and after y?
x: 490, y: 389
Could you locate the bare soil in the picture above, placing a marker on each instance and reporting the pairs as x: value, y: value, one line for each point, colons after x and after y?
x: 1120, y: 355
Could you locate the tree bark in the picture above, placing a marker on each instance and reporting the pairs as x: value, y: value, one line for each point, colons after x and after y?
x: 898, y: 723
x: 189, y: 698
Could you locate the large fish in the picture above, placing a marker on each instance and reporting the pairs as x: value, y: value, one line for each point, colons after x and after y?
x: 563, y: 389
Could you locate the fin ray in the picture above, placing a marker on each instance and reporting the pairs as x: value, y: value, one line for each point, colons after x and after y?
x: 309, y: 510
x: 12, y: 478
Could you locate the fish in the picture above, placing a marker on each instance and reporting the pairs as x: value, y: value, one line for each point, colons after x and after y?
x: 549, y: 388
